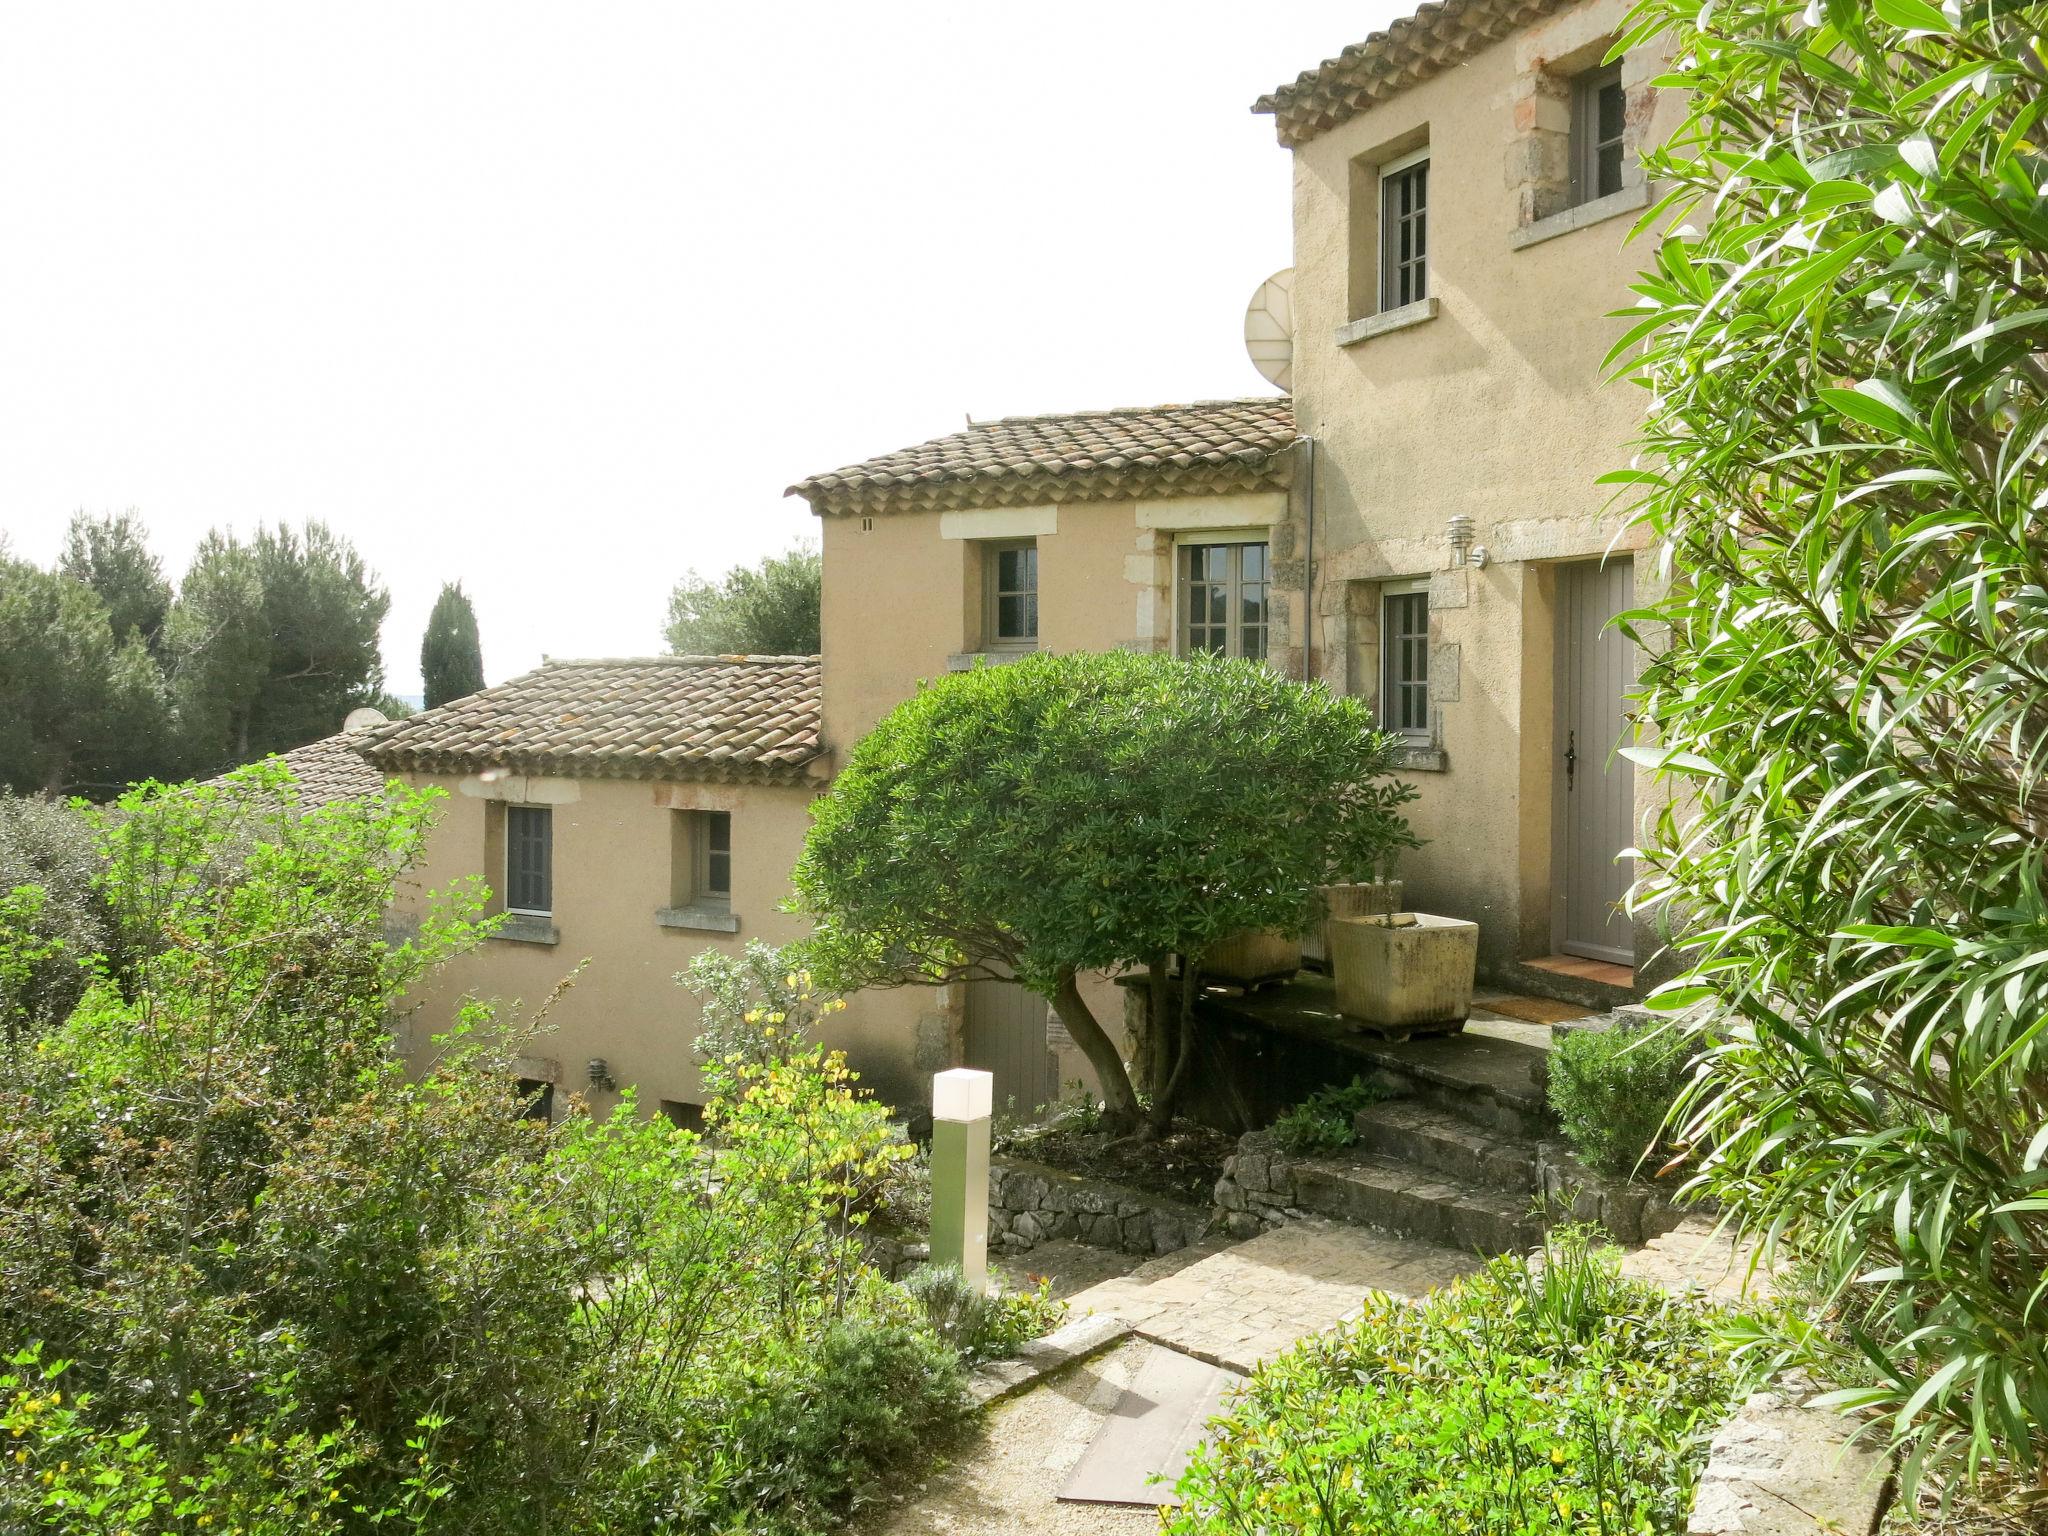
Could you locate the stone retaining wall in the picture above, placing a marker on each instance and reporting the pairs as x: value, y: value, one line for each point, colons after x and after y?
x: 1257, y: 1192
x: 1631, y: 1211
x: 1029, y: 1203
x: 1257, y: 1187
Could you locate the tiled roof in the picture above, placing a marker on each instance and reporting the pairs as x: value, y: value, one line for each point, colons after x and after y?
x: 1440, y: 33
x: 728, y: 718
x: 1209, y: 447
x: 329, y: 770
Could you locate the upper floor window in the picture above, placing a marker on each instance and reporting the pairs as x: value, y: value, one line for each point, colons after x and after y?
x: 1599, y: 116
x: 1404, y: 657
x: 1223, y: 599
x: 701, y: 860
x: 1404, y: 230
x: 529, y: 859
x: 1010, y: 588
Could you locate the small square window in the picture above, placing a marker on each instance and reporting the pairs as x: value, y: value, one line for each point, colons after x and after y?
x: 683, y: 1115
x: 1404, y: 231
x: 1599, y: 121
x: 1404, y: 659
x: 1010, y: 586
x: 529, y: 860
x: 536, y: 1099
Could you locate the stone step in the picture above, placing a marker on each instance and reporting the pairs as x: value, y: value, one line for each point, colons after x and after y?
x: 1490, y: 1082
x: 1368, y: 1190
x: 1425, y: 1138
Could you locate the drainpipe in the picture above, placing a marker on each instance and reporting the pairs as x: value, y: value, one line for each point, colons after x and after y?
x: 1308, y: 565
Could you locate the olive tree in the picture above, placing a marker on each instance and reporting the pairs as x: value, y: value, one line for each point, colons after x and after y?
x: 1068, y: 814
x: 1843, y: 334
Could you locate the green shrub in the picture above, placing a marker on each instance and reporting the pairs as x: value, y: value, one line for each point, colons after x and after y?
x: 1842, y: 336
x: 982, y: 1325
x: 287, y: 1279
x: 1555, y: 1398
x: 1613, y: 1090
x: 792, y: 1439
x: 1322, y: 1121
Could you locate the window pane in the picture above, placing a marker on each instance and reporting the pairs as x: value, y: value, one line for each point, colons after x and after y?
x: 528, y: 858
x: 1016, y: 618
x: 1404, y: 642
x: 1612, y: 112
x: 720, y: 827
x: 1608, y: 177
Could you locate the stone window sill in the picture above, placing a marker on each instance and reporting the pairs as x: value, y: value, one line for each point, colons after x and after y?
x: 963, y: 661
x: 1598, y: 211
x: 698, y: 919
x: 1386, y: 320
x: 524, y: 928
x: 1420, y: 758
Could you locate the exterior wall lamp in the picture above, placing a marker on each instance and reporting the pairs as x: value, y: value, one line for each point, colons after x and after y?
x: 1463, y: 550
x: 601, y: 1074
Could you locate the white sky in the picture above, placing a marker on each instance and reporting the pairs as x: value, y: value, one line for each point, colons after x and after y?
x: 558, y: 299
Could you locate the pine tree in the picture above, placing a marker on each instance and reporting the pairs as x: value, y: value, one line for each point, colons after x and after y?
x: 451, y: 656
x: 110, y: 553
x: 769, y: 609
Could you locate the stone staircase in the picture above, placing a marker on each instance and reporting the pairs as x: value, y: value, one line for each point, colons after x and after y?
x: 1455, y: 1158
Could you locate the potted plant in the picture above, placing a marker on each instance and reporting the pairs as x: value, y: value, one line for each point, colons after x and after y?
x: 1347, y: 898
x: 1404, y: 972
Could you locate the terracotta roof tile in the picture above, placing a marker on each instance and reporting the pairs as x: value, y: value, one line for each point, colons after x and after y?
x: 1211, y: 446
x: 329, y: 770
x: 1440, y: 34
x: 752, y: 718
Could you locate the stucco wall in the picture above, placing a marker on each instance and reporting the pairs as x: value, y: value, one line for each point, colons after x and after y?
x: 1493, y: 409
x: 612, y: 873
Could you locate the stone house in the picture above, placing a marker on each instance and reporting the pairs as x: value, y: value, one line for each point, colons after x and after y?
x: 1417, y: 524
x: 1463, y: 186
x: 625, y: 815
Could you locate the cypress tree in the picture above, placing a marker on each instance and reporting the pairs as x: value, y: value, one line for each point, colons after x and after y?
x: 451, y: 656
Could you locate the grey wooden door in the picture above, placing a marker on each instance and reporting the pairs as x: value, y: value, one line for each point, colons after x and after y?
x: 1595, y: 817
x: 1006, y: 1037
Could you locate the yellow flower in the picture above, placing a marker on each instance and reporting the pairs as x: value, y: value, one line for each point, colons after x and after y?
x: 1557, y: 1455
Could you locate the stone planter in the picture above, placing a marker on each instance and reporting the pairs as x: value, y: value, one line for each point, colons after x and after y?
x: 1405, y: 977
x: 1365, y: 898
x: 1251, y: 956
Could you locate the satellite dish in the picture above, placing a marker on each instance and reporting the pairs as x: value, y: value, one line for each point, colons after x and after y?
x: 362, y: 719
x: 1269, y: 329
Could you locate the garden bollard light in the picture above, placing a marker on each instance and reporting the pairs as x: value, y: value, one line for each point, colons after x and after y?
x: 961, y: 1102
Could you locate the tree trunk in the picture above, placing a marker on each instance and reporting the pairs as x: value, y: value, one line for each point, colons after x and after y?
x: 1120, y: 1100
x: 1184, y: 1051
x: 1154, y: 1047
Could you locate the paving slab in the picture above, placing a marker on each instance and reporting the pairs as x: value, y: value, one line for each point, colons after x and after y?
x: 1143, y: 1446
x: 1781, y: 1468
x: 1029, y: 1445
x: 1240, y: 1305
x: 1699, y: 1254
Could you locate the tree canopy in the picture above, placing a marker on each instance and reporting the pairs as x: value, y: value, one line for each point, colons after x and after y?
x: 1843, y: 334
x: 1065, y: 814
x: 107, y: 679
x: 451, y: 655
x: 767, y: 609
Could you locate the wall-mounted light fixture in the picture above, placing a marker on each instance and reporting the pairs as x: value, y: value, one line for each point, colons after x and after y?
x: 1463, y: 550
x: 601, y: 1074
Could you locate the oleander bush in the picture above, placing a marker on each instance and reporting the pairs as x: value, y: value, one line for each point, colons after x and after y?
x: 1531, y: 1397
x: 1613, y: 1092
x: 1842, y: 333
x: 253, y: 1277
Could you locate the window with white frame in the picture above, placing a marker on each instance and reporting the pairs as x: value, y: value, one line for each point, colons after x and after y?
x: 701, y: 860
x: 1404, y: 230
x: 529, y: 860
x: 1223, y: 599
x: 1010, y: 595
x: 1404, y: 658
x: 1599, y: 118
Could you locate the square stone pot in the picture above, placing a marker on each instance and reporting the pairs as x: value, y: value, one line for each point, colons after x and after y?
x: 1253, y: 955
x: 1408, y: 976
x: 1365, y: 898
